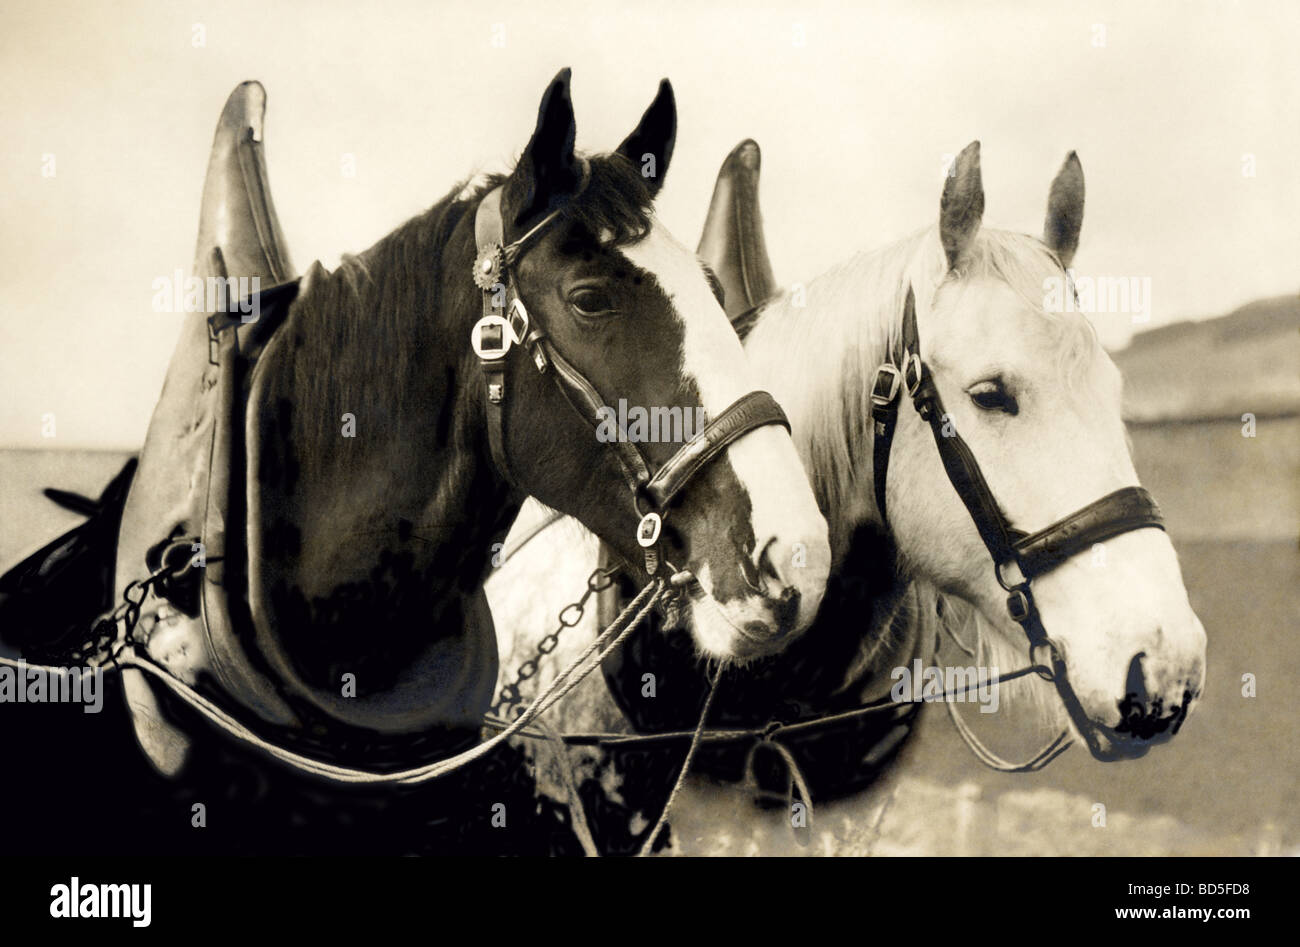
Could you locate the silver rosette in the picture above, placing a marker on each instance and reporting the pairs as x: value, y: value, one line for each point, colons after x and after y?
x: 488, y: 267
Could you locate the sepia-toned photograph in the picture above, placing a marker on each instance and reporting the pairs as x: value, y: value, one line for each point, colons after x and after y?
x: 790, y: 428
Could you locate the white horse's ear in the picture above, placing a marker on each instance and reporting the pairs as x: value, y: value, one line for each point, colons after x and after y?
x: 1065, y: 210
x: 962, y: 206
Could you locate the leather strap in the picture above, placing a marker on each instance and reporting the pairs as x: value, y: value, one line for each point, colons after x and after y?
x: 965, y: 475
x: 585, y: 400
x: 492, y: 342
x: 273, y: 302
x: 884, y: 415
x: 1120, y: 512
x: 756, y: 409
x: 489, y: 225
x: 886, y: 395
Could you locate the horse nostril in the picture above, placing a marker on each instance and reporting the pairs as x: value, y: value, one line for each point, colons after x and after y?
x: 787, y: 607
x: 1135, y: 708
x: 1144, y: 716
x: 1136, y: 684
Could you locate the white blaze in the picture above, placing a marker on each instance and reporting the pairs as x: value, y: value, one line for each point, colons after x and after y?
x: 765, y: 460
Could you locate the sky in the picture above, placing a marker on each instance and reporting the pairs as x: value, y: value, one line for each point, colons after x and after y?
x: 1186, y: 117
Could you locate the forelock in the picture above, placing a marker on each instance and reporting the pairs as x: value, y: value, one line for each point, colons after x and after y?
x: 615, y: 206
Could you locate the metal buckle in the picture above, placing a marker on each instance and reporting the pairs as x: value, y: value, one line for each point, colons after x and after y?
x: 647, y: 531
x: 1006, y: 583
x: 912, y: 364
x: 888, y: 371
x: 1045, y: 669
x: 518, y: 320
x: 491, y: 338
x: 1019, y: 606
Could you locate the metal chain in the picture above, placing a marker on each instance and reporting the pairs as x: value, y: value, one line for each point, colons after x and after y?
x: 509, y: 703
x: 103, y: 642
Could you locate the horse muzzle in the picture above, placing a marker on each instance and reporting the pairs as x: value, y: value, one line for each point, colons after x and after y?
x: 1153, y: 708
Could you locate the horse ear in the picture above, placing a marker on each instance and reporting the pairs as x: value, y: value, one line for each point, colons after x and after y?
x: 962, y: 206
x: 1065, y: 210
x: 650, y: 147
x: 548, y: 172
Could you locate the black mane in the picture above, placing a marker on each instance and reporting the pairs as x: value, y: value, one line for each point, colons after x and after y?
x: 374, y: 316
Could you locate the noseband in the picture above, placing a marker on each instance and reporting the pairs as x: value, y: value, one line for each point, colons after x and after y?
x: 506, y: 322
x: 1018, y: 557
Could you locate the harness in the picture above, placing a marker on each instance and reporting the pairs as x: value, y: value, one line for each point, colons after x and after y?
x: 507, y: 323
x: 1018, y: 557
x: 111, y: 641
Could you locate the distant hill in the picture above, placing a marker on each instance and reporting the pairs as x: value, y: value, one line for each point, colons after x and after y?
x: 1246, y: 361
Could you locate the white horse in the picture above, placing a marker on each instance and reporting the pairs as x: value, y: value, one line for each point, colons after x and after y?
x: 1037, y: 400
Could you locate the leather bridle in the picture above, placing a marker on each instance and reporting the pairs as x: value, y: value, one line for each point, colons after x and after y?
x: 1018, y: 557
x: 506, y: 322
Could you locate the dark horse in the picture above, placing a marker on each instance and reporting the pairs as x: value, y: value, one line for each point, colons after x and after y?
x: 381, y: 450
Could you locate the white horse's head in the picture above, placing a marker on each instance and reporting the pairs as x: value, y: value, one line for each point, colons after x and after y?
x: 1038, y: 401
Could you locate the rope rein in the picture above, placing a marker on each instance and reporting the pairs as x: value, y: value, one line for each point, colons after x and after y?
x: 723, y: 735
x: 111, y: 644
x: 496, y: 720
x: 648, y: 846
x: 1054, y: 748
x: 766, y: 736
x: 128, y: 654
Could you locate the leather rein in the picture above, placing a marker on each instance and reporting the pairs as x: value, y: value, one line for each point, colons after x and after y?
x: 507, y: 323
x: 1018, y: 557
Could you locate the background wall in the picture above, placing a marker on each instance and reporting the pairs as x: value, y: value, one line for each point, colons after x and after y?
x: 1172, y: 107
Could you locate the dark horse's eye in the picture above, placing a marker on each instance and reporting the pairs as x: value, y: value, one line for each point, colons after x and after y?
x: 992, y: 395
x: 591, y: 302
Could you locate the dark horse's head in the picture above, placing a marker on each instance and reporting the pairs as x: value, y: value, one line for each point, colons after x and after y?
x: 633, y: 310
x: 368, y: 547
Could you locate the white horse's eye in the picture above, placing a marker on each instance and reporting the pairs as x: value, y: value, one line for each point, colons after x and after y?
x: 992, y: 395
